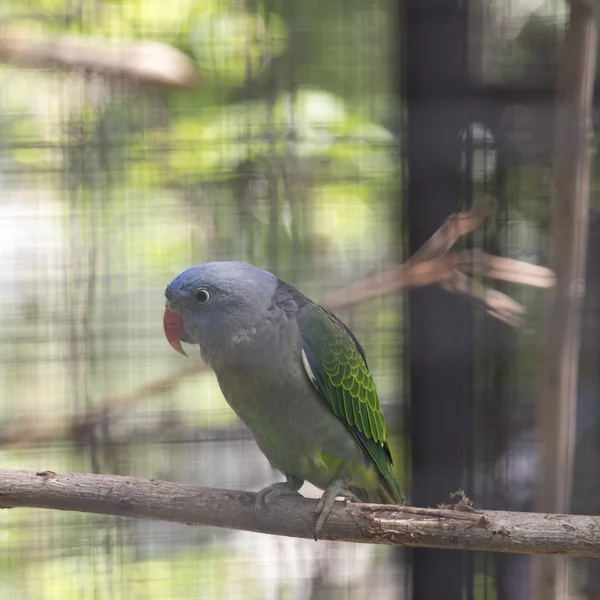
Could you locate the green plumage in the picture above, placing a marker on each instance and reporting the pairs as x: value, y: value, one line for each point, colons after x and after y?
x: 338, y: 369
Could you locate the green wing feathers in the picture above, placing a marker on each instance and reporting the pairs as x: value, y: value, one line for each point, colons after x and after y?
x: 337, y: 366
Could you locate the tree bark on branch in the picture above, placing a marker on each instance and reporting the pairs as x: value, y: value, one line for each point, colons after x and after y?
x: 456, y: 527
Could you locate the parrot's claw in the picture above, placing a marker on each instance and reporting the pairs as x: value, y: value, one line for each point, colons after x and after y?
x: 265, y: 497
x: 336, y: 488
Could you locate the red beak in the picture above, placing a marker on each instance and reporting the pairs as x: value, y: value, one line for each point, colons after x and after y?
x: 174, y: 329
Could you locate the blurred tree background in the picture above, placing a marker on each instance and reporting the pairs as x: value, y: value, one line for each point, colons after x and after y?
x: 139, y: 137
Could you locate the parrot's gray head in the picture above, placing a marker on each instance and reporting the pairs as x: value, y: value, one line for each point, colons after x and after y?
x: 217, y: 304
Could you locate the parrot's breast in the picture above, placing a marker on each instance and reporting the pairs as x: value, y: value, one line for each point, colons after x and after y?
x: 264, y: 381
x: 292, y: 426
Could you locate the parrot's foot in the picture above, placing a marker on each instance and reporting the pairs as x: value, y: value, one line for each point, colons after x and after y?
x: 336, y: 488
x: 289, y: 487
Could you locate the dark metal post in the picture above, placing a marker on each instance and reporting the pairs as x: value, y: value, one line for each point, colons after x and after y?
x: 440, y: 361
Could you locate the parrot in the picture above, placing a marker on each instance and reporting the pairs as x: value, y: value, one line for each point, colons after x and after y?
x: 294, y: 374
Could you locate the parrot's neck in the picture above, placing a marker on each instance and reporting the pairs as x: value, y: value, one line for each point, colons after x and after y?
x: 266, y: 348
x: 230, y: 351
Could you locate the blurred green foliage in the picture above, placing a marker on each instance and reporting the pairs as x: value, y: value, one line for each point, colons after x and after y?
x: 282, y: 156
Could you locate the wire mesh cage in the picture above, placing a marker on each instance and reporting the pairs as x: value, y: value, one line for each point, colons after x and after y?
x: 322, y: 141
x: 138, y: 139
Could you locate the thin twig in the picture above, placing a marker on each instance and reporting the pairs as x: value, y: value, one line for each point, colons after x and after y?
x: 498, y: 305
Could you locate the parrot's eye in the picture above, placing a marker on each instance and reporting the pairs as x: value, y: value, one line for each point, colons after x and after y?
x: 201, y: 296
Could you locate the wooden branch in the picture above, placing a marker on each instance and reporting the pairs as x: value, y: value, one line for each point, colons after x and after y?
x: 442, y: 270
x: 434, y: 264
x: 149, y: 63
x: 504, y: 269
x: 109, y: 408
x: 568, y: 246
x: 426, y: 266
x: 456, y: 527
x: 498, y: 305
x: 453, y: 228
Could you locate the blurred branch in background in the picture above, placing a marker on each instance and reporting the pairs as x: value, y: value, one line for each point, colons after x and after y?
x: 457, y: 526
x: 109, y: 408
x: 433, y: 264
x: 568, y: 245
x: 143, y: 62
x: 446, y: 271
